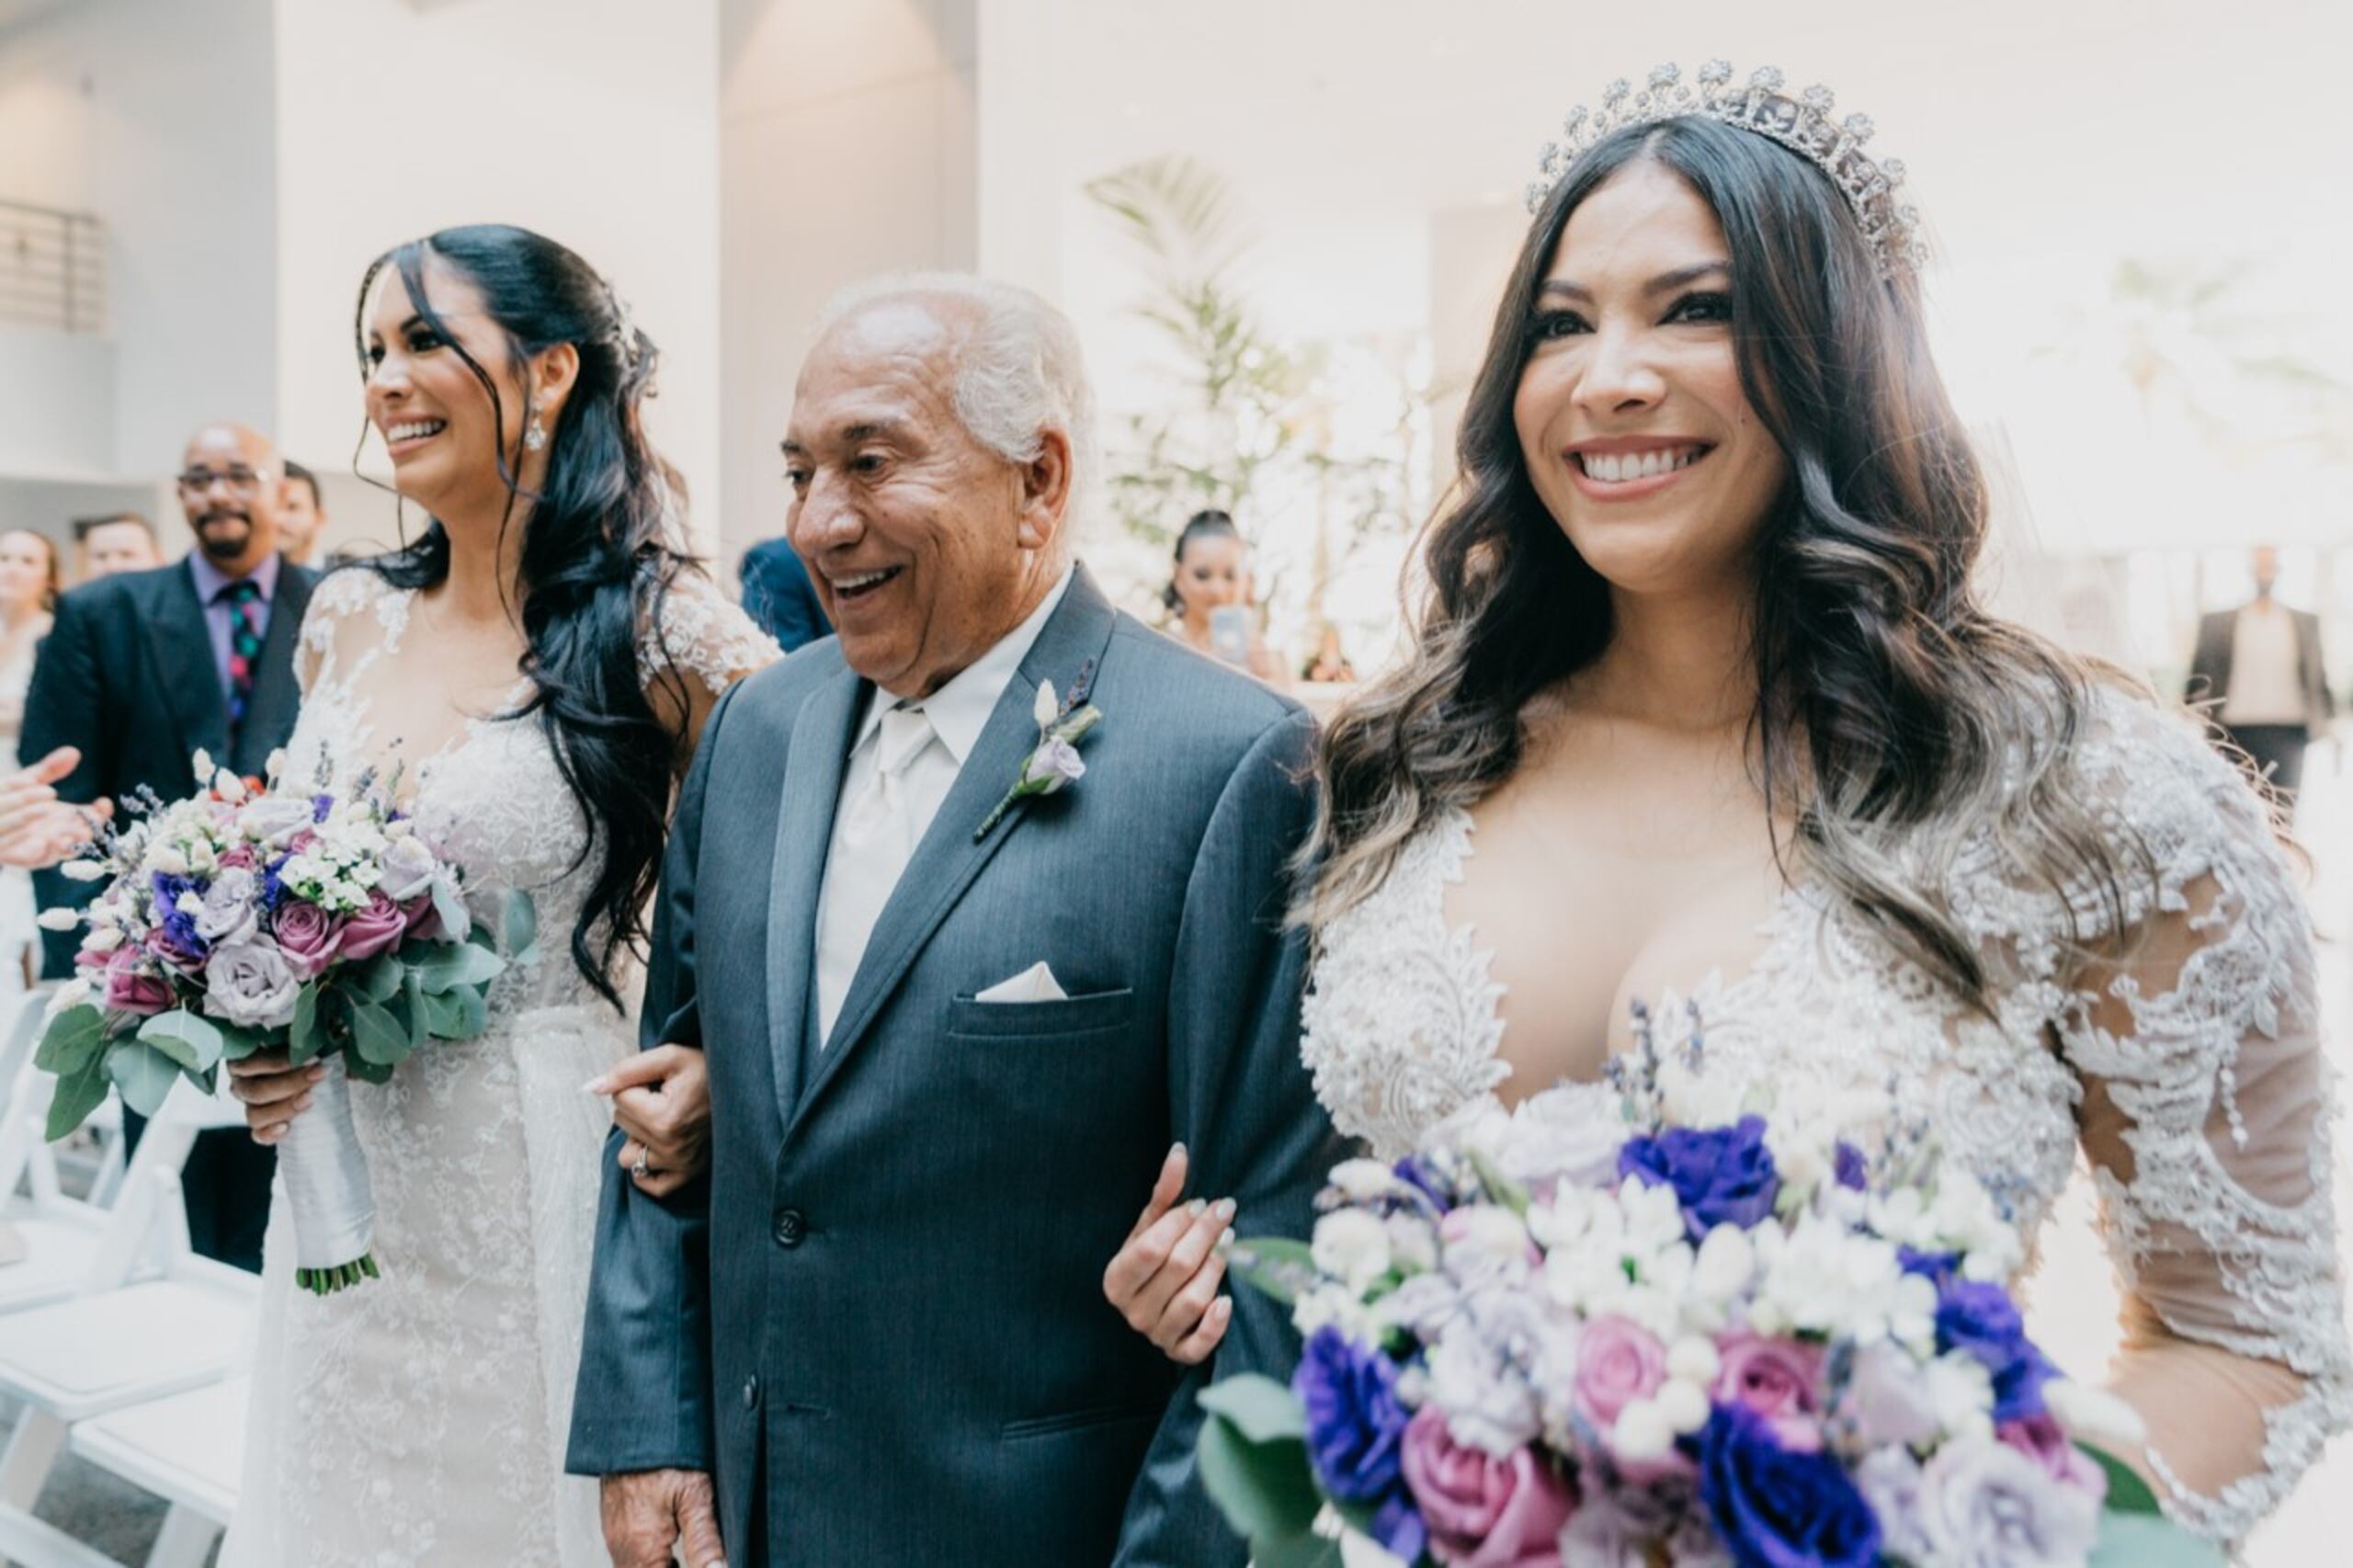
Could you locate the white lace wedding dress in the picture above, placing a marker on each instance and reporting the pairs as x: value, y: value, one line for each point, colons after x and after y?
x: 2189, y: 1069
x: 421, y: 1418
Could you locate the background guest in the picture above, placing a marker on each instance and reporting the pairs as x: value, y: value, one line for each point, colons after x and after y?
x: 2260, y: 667
x: 1330, y: 665
x: 29, y: 585
x: 1209, y: 598
x: 144, y: 668
x: 777, y: 595
x: 117, y: 541
x: 301, y: 516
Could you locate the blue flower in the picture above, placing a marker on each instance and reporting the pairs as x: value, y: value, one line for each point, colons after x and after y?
x: 1982, y: 1319
x: 320, y: 806
x: 1938, y: 1266
x: 1355, y: 1429
x: 1850, y: 1169
x: 1721, y: 1175
x: 1414, y: 1173
x: 1776, y: 1509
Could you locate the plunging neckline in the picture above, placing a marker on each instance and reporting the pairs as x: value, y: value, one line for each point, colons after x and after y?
x: 472, y: 726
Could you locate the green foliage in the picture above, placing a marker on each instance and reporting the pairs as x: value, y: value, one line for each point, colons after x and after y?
x: 377, y: 1037
x: 73, y: 1038
x: 2148, y: 1540
x: 1276, y: 1267
x: 463, y: 963
x: 1253, y: 1457
x: 142, y: 1072
x: 81, y: 1089
x: 189, y: 1038
x: 2127, y: 1493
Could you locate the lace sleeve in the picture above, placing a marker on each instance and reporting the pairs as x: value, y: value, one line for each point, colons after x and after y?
x: 340, y: 594
x: 2205, y: 1118
x: 701, y: 635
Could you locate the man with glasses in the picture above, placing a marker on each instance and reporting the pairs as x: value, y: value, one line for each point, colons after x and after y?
x: 141, y: 670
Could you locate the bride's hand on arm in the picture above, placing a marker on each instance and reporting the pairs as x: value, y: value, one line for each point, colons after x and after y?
x: 274, y: 1092
x: 1165, y: 1280
x: 662, y: 1101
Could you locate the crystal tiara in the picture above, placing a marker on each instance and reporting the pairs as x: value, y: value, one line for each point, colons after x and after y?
x: 1803, y: 124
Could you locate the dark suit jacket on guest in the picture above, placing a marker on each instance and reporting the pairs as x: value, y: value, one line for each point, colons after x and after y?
x: 126, y: 675
x: 778, y: 595
x: 2210, y: 667
x: 881, y: 1320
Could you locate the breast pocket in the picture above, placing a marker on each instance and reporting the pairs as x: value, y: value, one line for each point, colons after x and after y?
x: 1073, y: 1017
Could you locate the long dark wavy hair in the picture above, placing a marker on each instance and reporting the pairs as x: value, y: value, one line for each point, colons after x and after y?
x: 1890, y: 704
x: 598, y: 557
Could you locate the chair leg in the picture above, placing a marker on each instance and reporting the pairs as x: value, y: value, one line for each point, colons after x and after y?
x: 32, y: 1449
x: 186, y: 1537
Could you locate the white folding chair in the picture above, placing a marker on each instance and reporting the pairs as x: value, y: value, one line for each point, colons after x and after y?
x: 185, y: 1449
x: 61, y: 1235
x: 124, y: 1340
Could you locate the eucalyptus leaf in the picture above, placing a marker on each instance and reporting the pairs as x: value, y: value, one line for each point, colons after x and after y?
x: 413, y: 1008
x: 367, y: 1071
x: 1262, y: 1410
x: 236, y: 1044
x: 1276, y: 1267
x: 304, y: 1037
x: 189, y: 1038
x: 450, y: 906
x: 144, y: 1073
x: 73, y: 1040
x: 376, y: 1036
x: 2144, y: 1541
x: 2127, y: 1493
x: 463, y: 964
x: 1264, y: 1490
x: 1304, y: 1550
x: 381, y: 979
x: 445, y: 1014
x: 79, y: 1092
x: 521, y: 918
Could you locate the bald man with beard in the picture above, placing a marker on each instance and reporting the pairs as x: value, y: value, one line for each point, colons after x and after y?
x: 141, y: 670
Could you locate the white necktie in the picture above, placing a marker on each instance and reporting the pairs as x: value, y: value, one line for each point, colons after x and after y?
x: 877, y: 838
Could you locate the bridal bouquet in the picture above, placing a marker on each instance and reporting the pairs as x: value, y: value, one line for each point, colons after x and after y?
x: 253, y: 917
x: 1631, y: 1323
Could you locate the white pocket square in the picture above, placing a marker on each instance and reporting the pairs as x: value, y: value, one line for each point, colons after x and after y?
x: 1035, y: 983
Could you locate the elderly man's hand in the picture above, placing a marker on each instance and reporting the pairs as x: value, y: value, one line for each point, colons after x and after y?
x: 649, y: 1512
x: 662, y: 1101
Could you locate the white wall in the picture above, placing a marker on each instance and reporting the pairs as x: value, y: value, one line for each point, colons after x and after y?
x: 56, y: 401
x: 157, y: 115
x: 846, y: 149
x: 594, y: 121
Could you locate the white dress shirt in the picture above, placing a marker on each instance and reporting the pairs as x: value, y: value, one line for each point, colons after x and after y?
x: 882, y: 813
x: 2267, y: 686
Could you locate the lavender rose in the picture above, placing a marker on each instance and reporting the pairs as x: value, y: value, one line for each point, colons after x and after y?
x: 228, y: 915
x: 1776, y: 1509
x: 1356, y: 1427
x: 276, y: 820
x: 1618, y: 1362
x: 1054, y: 764
x: 1570, y: 1132
x: 408, y: 870
x: 251, y: 985
x: 1779, y: 1379
x: 2043, y: 1440
x: 306, y: 935
x: 1721, y: 1175
x: 370, y: 931
x: 1984, y: 1503
x: 1482, y: 1511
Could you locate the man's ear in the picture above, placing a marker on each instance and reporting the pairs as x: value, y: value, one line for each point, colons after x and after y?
x: 1045, y: 491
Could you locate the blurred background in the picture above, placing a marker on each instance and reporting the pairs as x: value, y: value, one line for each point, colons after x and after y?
x: 1280, y: 229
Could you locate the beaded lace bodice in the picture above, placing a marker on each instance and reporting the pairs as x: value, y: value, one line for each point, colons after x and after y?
x: 2184, y: 1061
x: 421, y: 1417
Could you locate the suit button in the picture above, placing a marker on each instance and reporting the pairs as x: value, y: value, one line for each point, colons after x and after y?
x: 791, y: 1227
x: 751, y: 1393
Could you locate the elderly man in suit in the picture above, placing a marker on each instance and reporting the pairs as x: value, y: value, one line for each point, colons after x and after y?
x: 947, y: 1045
x: 2259, y: 665
x: 141, y: 671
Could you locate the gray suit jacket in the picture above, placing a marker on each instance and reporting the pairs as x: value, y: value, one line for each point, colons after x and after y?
x: 2210, y: 666
x: 880, y: 1321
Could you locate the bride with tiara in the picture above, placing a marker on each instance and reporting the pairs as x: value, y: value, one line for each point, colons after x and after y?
x: 1703, y: 708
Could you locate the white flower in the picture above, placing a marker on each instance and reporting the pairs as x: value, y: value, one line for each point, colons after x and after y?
x: 227, y: 912
x: 1644, y: 1433
x: 1361, y: 1181
x: 1412, y: 1243
x: 1422, y: 1306
x: 1351, y: 1245
x: 1889, y: 1479
x: 1046, y: 706
x: 1684, y: 1403
x: 82, y: 871
x: 1331, y: 1306
x: 1889, y: 1398
x: 409, y: 868
x: 203, y: 761
x: 168, y: 859
x: 59, y: 919
x: 1983, y: 1502
x: 1487, y: 1404
x: 2094, y: 1414
x: 71, y: 994
x: 1961, y: 1391
x: 274, y: 764
x: 1693, y: 1359
x: 1570, y: 1132
x: 1481, y: 1236
x: 228, y: 786
x: 1698, y: 1098
x: 1724, y: 1264
x: 101, y: 940
x: 274, y: 820
x: 188, y: 904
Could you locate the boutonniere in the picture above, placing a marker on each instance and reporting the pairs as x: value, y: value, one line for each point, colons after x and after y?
x: 1054, y: 763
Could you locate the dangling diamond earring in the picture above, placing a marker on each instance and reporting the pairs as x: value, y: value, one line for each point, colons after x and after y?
x: 536, y: 437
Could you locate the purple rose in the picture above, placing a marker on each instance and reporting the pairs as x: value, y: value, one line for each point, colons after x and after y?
x: 134, y: 987
x: 1982, y: 1501
x: 228, y: 915
x: 175, y: 942
x: 1618, y: 1363
x: 1355, y: 1430
x: 1485, y: 1512
x: 423, y: 916
x: 275, y: 819
x: 1054, y: 764
x: 306, y: 935
x: 408, y: 870
x: 373, y: 930
x: 1980, y: 1318
x: 1776, y: 1509
x: 1779, y: 1379
x: 2043, y: 1440
x: 251, y: 985
x: 1722, y: 1176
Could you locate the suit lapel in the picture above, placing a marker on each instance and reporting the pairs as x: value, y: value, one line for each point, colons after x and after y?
x: 948, y: 860
x: 182, y: 649
x: 269, y: 718
x: 804, y: 833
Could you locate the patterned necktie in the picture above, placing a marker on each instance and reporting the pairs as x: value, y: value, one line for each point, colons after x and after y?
x: 246, y: 612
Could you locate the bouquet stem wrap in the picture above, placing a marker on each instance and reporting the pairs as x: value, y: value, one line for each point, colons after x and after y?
x: 334, y: 1205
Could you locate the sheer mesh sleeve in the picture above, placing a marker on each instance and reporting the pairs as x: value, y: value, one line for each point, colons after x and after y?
x: 2206, y: 1120
x: 702, y: 635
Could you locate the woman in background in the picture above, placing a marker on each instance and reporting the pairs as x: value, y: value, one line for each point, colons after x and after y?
x: 1211, y: 603
x: 30, y: 581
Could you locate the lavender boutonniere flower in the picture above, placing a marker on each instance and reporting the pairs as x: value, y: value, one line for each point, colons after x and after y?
x: 1054, y: 763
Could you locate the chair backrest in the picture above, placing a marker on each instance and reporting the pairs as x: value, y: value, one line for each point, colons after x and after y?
x: 21, y: 1029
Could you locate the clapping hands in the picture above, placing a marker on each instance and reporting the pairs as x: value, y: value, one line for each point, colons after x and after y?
x: 37, y: 829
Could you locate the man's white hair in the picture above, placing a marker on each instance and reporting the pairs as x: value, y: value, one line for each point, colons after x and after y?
x: 1019, y: 371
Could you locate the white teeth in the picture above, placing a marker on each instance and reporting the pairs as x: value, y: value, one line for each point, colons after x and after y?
x: 853, y: 584
x: 414, y: 430
x: 1619, y: 468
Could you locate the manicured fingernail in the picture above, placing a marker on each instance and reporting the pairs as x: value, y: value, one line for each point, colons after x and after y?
x: 1195, y: 1206
x: 1225, y: 1209
x: 315, y: 1073
x: 593, y: 1086
x: 1176, y: 1148
x: 1225, y: 1240
x: 302, y: 1104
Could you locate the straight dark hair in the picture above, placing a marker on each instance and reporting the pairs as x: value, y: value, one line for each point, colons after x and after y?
x: 598, y: 558
x: 1889, y: 705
